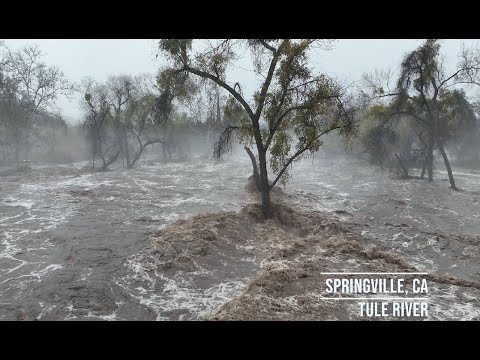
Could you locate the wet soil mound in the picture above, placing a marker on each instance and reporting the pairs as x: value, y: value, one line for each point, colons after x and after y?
x: 292, y: 250
x: 203, y: 241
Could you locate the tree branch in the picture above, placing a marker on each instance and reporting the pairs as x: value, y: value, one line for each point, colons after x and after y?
x: 265, y: 44
x: 223, y: 84
x: 280, y: 119
x: 300, y: 152
x: 268, y: 80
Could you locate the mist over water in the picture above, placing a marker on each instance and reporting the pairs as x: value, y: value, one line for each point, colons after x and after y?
x: 72, y: 241
x: 123, y: 214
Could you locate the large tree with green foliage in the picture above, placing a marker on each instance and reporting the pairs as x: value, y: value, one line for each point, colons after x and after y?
x: 290, y: 111
x: 425, y: 93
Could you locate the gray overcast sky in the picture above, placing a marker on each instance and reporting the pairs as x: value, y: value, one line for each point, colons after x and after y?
x: 100, y: 58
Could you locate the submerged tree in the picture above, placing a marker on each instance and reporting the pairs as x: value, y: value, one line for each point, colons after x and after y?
x: 424, y: 93
x: 12, y: 117
x: 148, y: 116
x: 120, y: 97
x: 98, y: 124
x: 291, y: 103
x: 123, y: 117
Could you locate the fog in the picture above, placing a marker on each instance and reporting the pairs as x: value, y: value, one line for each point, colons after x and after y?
x: 100, y: 58
x: 152, y: 180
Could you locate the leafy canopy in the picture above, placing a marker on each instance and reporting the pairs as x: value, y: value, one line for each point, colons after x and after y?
x: 291, y: 109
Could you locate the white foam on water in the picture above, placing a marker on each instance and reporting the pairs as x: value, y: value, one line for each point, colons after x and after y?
x: 146, y: 182
x: 423, y: 264
x: 170, y: 217
x: 46, y: 208
x: 276, y: 265
x: 8, y: 271
x: 4, y: 219
x: 405, y: 236
x: 205, y: 186
x: 180, y: 293
x: 83, y: 181
x: 45, y: 310
x: 244, y: 247
x: 13, y: 201
x: 49, y: 268
x: 445, y: 304
x: 26, y: 220
x: 365, y: 186
x: 10, y: 247
x: 9, y: 252
x: 201, y: 270
x: 416, y: 219
x: 199, y: 303
x: 190, y: 200
x: 459, y: 173
x: 111, y: 317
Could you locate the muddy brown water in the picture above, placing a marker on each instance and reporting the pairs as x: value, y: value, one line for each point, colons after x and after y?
x: 72, y: 242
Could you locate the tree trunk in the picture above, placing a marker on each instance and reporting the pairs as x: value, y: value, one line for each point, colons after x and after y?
x: 265, y: 186
x: 449, y: 169
x: 424, y: 167
x: 430, y: 160
x: 256, y: 175
x: 135, y: 158
x: 17, y: 152
x: 430, y: 169
x: 27, y: 144
x: 110, y: 161
x: 164, y: 152
x: 402, y: 165
x: 125, y: 146
x: 218, y: 119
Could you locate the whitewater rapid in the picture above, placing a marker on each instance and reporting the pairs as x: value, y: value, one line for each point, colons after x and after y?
x: 70, y: 241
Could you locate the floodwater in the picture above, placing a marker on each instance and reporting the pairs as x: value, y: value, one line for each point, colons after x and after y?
x: 71, y: 241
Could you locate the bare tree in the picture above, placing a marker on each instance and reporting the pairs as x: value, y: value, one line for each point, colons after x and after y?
x: 143, y: 126
x: 124, y: 116
x: 98, y: 122
x: 37, y: 84
x: 120, y: 97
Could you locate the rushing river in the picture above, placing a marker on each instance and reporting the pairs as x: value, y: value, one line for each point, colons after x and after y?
x: 69, y: 240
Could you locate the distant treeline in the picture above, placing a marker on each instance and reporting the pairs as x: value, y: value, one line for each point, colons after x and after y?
x: 122, y: 118
x: 403, y: 120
